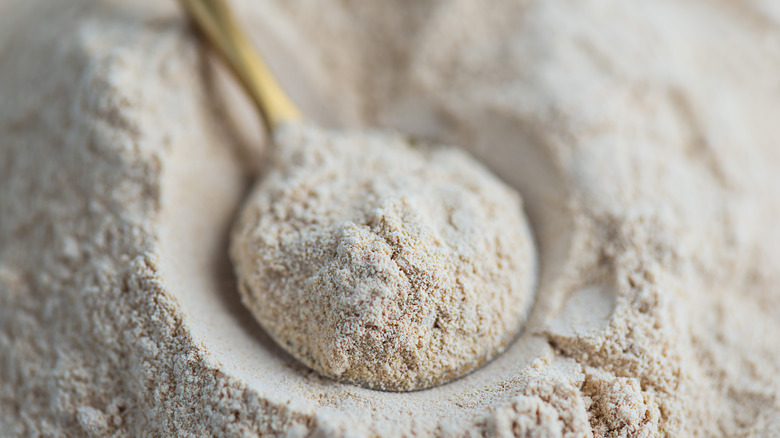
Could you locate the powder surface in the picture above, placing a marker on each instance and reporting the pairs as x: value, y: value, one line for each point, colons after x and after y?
x: 393, y: 265
x: 642, y: 137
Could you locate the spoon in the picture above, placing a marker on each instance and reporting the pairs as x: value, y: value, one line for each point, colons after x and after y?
x: 372, y: 259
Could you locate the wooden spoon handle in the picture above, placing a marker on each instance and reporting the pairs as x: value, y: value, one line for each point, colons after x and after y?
x: 216, y: 22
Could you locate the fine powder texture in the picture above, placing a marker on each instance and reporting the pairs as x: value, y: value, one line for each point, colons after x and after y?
x: 642, y: 136
x: 378, y: 262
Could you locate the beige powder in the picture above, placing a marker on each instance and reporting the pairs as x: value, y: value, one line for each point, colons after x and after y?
x: 375, y: 261
x: 643, y: 139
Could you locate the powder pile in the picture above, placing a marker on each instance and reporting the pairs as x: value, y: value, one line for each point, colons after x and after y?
x: 642, y: 138
x: 394, y: 265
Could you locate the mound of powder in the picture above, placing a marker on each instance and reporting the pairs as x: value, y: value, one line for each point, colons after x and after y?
x: 642, y: 137
x: 376, y: 261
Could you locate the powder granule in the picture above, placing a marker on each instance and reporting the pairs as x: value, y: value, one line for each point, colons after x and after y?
x: 378, y: 261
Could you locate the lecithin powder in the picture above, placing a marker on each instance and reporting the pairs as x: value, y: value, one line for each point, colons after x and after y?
x: 642, y: 137
x: 381, y: 262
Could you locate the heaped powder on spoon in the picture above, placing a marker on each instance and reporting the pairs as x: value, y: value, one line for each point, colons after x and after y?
x: 389, y: 264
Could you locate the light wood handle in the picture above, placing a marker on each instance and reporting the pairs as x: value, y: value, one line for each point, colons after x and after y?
x: 215, y: 20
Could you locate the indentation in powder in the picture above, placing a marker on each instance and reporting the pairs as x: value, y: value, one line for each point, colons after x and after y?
x: 586, y: 311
